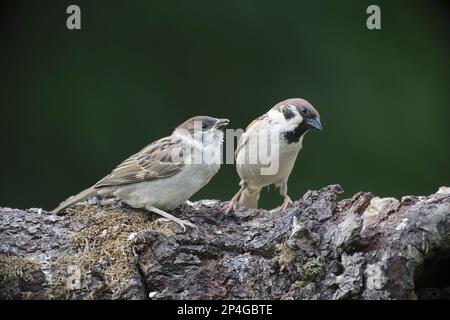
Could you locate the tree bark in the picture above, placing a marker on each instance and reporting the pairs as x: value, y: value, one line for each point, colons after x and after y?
x: 319, y: 248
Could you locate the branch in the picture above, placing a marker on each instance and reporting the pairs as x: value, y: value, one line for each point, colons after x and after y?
x: 320, y: 248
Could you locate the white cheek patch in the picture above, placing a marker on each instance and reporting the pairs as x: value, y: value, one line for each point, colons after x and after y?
x: 276, y: 116
x: 201, y: 148
x: 187, y: 138
x: 284, y: 124
x: 218, y: 136
x: 211, y: 136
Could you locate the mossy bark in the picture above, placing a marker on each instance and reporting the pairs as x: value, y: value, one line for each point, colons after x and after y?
x: 319, y: 248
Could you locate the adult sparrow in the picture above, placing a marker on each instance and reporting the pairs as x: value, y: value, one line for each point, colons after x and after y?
x: 167, y: 172
x: 267, y: 150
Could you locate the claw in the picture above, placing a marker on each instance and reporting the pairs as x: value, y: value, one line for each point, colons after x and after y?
x: 286, y: 203
x: 187, y: 223
x: 169, y: 217
x: 161, y: 220
x: 230, y: 207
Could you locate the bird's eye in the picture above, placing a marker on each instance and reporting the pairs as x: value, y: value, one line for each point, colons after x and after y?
x: 204, y: 126
x: 304, y: 112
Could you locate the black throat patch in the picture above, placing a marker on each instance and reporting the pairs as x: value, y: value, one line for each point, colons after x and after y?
x: 293, y: 136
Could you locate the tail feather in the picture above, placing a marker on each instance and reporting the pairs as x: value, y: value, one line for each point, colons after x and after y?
x: 83, y: 195
x: 249, y: 198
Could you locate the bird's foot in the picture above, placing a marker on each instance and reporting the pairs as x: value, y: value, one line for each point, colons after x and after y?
x: 182, y: 223
x: 233, y: 204
x: 286, y: 203
x: 230, y: 207
x: 168, y: 217
x: 185, y: 223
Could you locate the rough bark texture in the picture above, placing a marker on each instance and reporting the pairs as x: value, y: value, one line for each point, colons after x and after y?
x: 319, y: 248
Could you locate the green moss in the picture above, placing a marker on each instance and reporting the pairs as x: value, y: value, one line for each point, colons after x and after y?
x: 102, y: 245
x: 297, y: 285
x: 13, y: 271
x: 287, y: 257
x: 312, y: 270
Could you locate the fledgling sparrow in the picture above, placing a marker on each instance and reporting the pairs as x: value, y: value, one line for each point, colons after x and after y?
x: 167, y: 172
x: 275, y: 137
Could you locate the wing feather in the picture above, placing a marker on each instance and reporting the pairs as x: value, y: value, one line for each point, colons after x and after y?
x: 152, y: 162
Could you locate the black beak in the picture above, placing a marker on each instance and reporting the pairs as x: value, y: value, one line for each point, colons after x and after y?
x: 314, y: 123
x: 221, y: 123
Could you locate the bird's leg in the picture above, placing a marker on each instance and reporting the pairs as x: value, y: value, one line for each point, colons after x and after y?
x: 286, y: 203
x: 232, y: 205
x: 182, y: 223
x: 283, y: 191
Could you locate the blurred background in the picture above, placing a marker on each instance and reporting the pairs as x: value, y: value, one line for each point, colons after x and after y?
x: 74, y: 104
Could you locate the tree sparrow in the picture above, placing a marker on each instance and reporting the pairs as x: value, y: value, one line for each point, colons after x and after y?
x: 167, y: 172
x: 272, y: 141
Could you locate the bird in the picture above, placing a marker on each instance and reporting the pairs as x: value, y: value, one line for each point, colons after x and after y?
x: 275, y: 137
x: 165, y: 173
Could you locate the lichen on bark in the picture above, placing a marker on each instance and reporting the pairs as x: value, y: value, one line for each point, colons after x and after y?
x: 363, y: 247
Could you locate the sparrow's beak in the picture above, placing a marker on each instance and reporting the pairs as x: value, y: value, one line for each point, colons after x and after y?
x: 221, y: 123
x: 314, y: 123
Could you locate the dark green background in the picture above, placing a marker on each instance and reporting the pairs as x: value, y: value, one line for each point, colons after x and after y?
x: 76, y: 103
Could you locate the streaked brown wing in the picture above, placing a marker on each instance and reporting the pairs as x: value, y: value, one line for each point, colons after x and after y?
x: 152, y: 162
